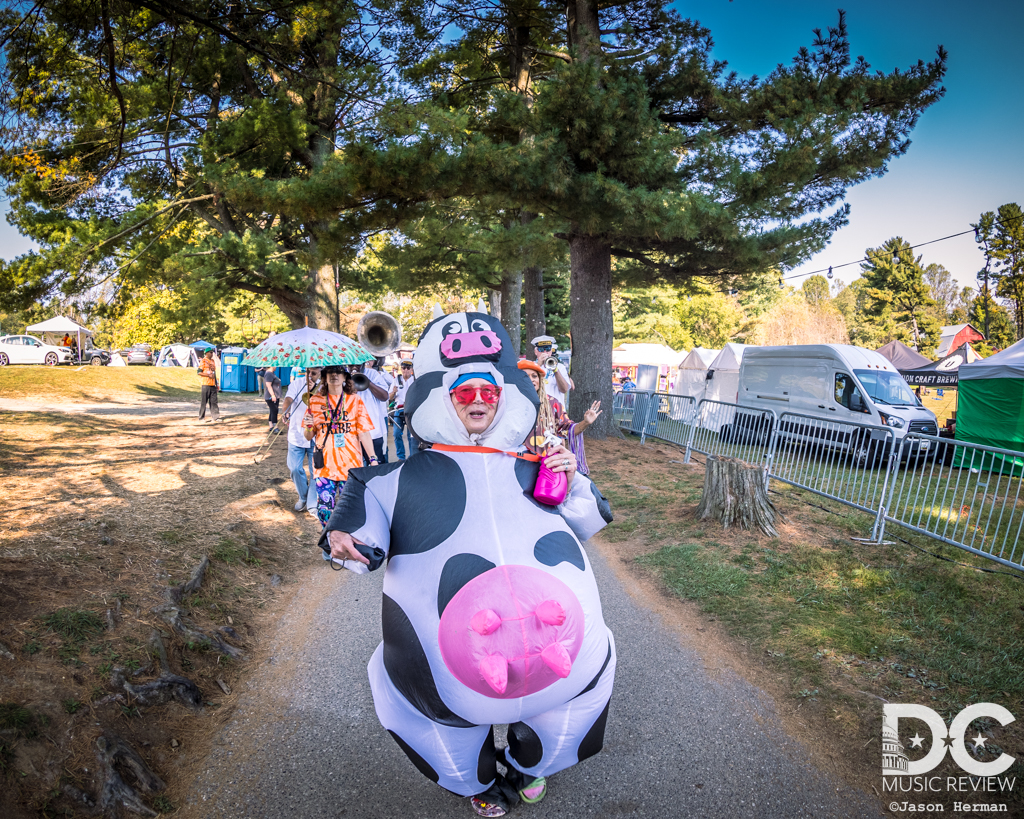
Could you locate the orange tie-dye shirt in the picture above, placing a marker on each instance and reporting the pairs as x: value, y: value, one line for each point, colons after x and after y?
x: 350, y: 422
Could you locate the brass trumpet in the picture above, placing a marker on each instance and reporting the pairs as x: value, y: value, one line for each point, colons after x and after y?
x: 551, y: 363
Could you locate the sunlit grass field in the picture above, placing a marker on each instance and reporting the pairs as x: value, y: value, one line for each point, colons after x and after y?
x: 137, y: 383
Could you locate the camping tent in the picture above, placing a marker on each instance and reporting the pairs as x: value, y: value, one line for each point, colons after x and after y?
x: 692, y: 377
x: 941, y: 373
x: 53, y: 331
x: 992, y: 403
x: 178, y: 355
x: 902, y: 356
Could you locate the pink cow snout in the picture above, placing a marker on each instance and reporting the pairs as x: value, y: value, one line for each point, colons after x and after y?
x: 511, y: 631
x: 464, y: 345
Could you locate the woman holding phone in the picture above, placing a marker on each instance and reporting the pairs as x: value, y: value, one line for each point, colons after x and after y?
x: 337, y: 423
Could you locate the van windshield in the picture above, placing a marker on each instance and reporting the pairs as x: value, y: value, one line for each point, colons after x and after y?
x: 886, y: 388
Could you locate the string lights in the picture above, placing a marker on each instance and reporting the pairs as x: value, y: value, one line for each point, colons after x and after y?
x: 895, y: 257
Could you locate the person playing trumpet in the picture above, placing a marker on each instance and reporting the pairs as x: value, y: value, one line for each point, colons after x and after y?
x: 556, y: 379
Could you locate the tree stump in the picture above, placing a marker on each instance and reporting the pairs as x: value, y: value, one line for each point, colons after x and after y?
x: 735, y: 492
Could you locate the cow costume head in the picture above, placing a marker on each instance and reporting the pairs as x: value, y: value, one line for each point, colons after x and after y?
x: 466, y: 343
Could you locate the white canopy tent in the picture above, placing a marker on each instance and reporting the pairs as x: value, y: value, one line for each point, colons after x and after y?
x: 692, y: 377
x: 178, y: 355
x: 633, y: 355
x: 53, y: 331
x: 724, y: 381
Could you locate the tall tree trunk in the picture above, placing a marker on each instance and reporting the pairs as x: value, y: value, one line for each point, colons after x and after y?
x: 494, y: 299
x: 533, y: 302
x: 322, y: 299
x: 511, y: 306
x: 590, y: 265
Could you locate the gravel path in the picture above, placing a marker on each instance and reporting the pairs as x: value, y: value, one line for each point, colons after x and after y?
x: 305, y: 741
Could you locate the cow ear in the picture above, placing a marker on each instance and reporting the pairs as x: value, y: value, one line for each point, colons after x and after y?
x: 480, y: 306
x: 438, y: 312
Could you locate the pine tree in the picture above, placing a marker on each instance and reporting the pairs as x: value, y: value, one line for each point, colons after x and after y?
x: 1002, y: 234
x: 895, y: 286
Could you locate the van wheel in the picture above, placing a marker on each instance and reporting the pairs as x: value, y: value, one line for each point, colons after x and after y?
x: 860, y: 452
x: 96, y: 361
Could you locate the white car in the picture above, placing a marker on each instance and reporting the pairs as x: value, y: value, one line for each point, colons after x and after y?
x: 30, y: 350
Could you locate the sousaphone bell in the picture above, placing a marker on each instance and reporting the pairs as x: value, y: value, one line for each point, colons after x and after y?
x: 381, y: 334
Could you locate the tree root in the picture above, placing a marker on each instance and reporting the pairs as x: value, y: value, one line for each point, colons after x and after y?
x: 112, y: 751
x: 734, y: 492
x: 170, y: 612
x: 163, y: 689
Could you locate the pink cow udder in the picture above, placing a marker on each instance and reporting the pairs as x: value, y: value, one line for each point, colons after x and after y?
x: 463, y: 345
x: 511, y: 631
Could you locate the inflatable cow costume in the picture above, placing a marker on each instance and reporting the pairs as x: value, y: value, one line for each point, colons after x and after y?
x: 490, y: 613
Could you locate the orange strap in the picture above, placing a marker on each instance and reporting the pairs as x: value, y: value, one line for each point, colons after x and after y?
x: 485, y: 449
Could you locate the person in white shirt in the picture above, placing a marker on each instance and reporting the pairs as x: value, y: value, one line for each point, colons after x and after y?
x: 293, y: 411
x: 376, y: 400
x: 397, y: 394
x: 557, y: 382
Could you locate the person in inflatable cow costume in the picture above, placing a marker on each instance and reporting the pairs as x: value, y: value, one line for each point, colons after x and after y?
x: 490, y: 612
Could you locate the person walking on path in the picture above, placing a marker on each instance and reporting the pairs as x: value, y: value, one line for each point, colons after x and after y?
x: 553, y: 416
x: 556, y: 381
x: 296, y: 401
x: 397, y: 394
x: 338, y: 425
x: 376, y: 400
x: 272, y: 394
x: 208, y: 394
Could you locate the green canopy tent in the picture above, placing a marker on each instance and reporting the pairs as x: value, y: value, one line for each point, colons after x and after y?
x: 991, y: 410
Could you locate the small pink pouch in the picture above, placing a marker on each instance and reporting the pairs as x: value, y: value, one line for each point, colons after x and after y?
x: 551, y: 487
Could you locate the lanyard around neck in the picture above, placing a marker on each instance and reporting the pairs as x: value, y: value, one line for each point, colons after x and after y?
x: 485, y: 450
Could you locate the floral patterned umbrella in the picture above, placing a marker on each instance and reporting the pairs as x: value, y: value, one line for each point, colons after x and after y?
x: 306, y: 347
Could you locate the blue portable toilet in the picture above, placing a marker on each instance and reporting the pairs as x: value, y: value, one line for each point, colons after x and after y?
x: 285, y: 374
x: 234, y: 376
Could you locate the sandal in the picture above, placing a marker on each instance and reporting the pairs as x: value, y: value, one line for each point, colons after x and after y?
x: 534, y: 792
x: 483, y: 808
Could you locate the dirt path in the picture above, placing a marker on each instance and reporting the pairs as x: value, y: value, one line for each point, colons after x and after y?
x: 137, y: 408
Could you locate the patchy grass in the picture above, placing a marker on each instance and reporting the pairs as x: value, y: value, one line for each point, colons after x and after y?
x: 74, y: 627
x: 829, y: 623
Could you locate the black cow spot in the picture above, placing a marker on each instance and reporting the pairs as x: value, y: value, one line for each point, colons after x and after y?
x: 407, y: 666
x: 419, y: 391
x: 350, y: 509
x: 526, y: 474
x: 486, y: 769
x: 559, y: 547
x: 421, y: 764
x: 593, y: 683
x: 603, y: 506
x: 524, y: 744
x: 457, y: 572
x: 594, y: 740
x: 432, y: 501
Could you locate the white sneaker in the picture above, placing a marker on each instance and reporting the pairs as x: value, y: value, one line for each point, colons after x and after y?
x: 312, y: 512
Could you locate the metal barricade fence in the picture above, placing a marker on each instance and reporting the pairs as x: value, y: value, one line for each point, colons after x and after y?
x: 841, y: 460
x: 622, y: 409
x: 967, y: 495
x: 672, y: 417
x: 731, y: 431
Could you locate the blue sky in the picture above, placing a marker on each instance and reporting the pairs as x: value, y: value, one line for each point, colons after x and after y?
x: 966, y: 155
x: 967, y: 151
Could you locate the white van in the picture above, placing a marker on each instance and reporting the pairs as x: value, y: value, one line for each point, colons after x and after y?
x: 831, y: 382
